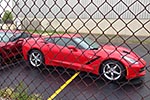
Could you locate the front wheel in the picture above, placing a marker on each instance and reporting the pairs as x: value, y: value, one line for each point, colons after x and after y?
x: 112, y: 70
x: 36, y: 58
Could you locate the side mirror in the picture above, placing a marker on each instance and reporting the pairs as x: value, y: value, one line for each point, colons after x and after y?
x: 72, y: 48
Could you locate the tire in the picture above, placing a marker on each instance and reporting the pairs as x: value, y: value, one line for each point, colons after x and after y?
x: 1, y: 60
x: 113, y: 70
x: 36, y: 58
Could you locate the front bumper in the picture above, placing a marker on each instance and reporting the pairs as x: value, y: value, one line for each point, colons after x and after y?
x: 135, y: 71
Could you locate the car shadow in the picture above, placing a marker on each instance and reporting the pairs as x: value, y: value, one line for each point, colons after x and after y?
x: 84, y: 76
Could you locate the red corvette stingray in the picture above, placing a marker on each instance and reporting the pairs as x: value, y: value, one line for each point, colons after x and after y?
x: 11, y: 43
x: 80, y: 53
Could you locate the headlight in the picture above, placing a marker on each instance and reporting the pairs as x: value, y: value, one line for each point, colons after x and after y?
x: 130, y: 60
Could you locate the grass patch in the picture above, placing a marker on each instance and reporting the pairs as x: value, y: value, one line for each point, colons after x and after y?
x: 45, y: 32
x: 103, y: 38
x: 19, y: 93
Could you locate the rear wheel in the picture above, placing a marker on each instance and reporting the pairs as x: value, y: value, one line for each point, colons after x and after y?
x: 112, y: 70
x: 36, y: 58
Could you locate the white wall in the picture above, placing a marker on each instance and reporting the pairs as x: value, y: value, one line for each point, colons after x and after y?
x: 95, y: 26
x: 70, y: 15
x: 75, y: 8
x: 5, y: 5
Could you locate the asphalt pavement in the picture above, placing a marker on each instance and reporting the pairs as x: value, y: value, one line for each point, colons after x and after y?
x: 46, y: 81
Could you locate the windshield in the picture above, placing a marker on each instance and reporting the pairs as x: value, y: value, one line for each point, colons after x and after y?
x: 20, y: 35
x: 87, y: 43
x: 5, y: 37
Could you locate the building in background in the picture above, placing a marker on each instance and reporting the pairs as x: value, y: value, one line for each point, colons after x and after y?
x: 82, y: 8
x: 61, y: 15
x: 5, y: 5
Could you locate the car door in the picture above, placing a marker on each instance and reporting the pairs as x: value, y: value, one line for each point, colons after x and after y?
x: 66, y: 53
x: 11, y: 44
x: 6, y: 45
x: 10, y: 49
x: 17, y: 41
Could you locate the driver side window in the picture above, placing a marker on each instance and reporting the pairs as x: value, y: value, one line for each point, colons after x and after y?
x: 64, y: 42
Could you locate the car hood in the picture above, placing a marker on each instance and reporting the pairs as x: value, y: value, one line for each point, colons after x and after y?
x: 116, y: 51
x: 110, y: 49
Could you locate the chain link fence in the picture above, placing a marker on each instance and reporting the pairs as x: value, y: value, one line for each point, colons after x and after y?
x: 74, y: 50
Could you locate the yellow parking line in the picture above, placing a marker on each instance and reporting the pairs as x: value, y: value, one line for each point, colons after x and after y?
x: 63, y: 86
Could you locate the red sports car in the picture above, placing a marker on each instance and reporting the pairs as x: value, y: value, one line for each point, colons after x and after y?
x: 81, y: 53
x: 11, y: 43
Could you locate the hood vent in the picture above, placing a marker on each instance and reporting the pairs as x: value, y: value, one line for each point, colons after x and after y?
x: 126, y: 52
x: 89, y: 62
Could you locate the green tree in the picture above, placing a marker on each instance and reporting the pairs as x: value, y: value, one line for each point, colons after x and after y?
x: 7, y: 17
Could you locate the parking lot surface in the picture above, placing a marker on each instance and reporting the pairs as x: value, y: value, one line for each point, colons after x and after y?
x: 45, y: 81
